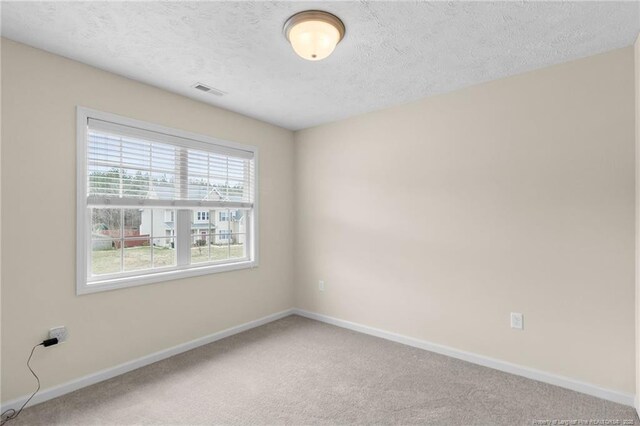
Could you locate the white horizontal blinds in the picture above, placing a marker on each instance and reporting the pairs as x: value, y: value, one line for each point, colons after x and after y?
x: 220, y: 178
x: 123, y: 167
x: 130, y: 166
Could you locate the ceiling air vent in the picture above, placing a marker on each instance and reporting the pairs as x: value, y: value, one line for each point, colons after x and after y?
x: 208, y: 89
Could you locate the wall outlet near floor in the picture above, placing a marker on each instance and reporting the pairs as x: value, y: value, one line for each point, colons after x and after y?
x: 517, y: 321
x: 321, y: 285
x: 59, y: 333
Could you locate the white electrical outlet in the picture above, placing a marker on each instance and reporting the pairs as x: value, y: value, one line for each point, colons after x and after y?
x: 59, y: 333
x: 321, y: 285
x: 517, y: 321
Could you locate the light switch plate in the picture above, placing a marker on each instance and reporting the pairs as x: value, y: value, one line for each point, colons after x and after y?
x: 517, y: 321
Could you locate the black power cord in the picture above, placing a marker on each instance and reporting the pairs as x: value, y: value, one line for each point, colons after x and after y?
x: 11, y: 413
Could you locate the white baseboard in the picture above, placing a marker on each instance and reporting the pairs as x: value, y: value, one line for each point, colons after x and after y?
x: 565, y: 382
x: 108, y: 373
x: 530, y: 373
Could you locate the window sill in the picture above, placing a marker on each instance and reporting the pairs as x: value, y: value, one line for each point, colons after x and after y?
x: 124, y: 282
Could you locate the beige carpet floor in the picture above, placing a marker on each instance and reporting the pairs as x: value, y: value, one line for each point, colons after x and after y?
x: 298, y: 371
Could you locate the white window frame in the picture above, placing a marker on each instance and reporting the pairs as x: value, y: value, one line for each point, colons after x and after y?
x: 83, y: 219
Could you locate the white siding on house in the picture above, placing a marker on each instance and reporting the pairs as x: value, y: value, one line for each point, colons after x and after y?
x: 232, y: 220
x: 162, y: 226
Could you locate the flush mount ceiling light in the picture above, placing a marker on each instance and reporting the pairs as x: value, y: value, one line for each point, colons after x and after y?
x: 314, y: 34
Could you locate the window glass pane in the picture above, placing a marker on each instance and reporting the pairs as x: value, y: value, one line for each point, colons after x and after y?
x: 104, y: 180
x: 164, y: 252
x: 169, y: 216
x: 134, y: 183
x: 162, y: 186
x: 132, y: 222
x: 237, y: 246
x: 165, y: 226
x: 238, y: 220
x: 220, y: 251
x: 221, y: 236
x: 105, y: 223
x: 137, y: 254
x: 155, y: 223
x: 201, y: 216
x: 219, y: 220
x: 106, y: 256
x: 200, y: 247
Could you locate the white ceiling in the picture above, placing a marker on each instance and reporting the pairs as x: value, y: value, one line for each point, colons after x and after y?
x: 393, y: 52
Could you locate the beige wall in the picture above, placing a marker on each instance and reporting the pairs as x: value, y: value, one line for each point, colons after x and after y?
x: 40, y: 93
x: 438, y: 218
x: 434, y: 219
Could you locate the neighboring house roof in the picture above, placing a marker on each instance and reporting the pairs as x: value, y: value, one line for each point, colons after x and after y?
x: 198, y: 192
x: 213, y: 193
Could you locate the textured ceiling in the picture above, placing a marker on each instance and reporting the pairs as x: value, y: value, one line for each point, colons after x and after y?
x: 393, y: 52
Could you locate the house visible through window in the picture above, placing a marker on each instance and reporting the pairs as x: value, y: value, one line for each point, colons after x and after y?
x: 148, y: 194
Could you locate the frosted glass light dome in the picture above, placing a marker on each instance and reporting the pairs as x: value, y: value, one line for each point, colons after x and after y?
x: 314, y: 34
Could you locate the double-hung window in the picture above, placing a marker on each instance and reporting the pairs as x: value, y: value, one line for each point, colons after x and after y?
x: 150, y: 201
